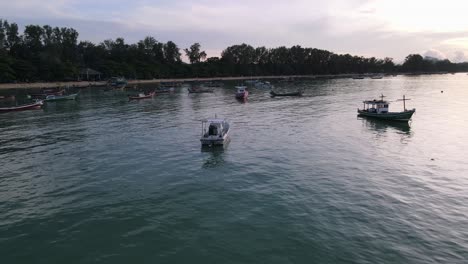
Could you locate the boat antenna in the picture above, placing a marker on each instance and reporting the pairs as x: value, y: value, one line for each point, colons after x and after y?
x: 404, y: 102
x: 381, y: 97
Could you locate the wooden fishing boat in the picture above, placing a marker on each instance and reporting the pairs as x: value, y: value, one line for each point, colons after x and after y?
x: 242, y: 92
x: 46, y: 92
x: 297, y: 93
x: 31, y: 106
x: 117, y: 83
x: 379, y: 109
x: 162, y: 90
x: 200, y: 90
x: 53, y: 98
x: 141, y: 96
x: 215, y: 132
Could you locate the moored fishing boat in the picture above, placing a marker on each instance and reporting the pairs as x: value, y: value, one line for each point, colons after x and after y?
x: 198, y: 89
x: 32, y: 106
x: 117, y: 83
x: 46, y: 92
x: 379, y: 109
x: 53, y: 98
x: 215, y: 132
x: 242, y: 92
x: 297, y: 93
x: 377, y: 76
x: 141, y: 96
x: 263, y: 85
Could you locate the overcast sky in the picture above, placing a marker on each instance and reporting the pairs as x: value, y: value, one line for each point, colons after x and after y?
x: 380, y: 28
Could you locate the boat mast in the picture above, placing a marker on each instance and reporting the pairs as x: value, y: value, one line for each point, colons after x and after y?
x: 404, y: 102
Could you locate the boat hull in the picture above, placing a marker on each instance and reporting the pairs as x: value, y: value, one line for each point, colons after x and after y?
x: 242, y: 96
x: 286, y: 94
x: 200, y: 90
x: 33, y: 106
x: 390, y: 116
x: 53, y: 98
x: 141, y: 97
x: 215, y: 141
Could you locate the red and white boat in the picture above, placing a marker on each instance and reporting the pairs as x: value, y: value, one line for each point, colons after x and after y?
x: 242, y: 92
x: 141, y: 96
x: 32, y: 106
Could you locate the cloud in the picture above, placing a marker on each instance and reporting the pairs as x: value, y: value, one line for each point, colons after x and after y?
x: 433, y: 53
x: 362, y: 27
x: 459, y: 56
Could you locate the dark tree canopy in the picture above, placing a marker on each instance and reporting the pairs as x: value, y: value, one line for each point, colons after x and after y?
x: 45, y: 53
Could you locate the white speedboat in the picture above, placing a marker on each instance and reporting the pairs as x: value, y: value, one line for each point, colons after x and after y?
x: 242, y: 92
x: 215, y: 132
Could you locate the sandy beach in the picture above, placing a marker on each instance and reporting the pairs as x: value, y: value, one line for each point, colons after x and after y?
x: 79, y: 84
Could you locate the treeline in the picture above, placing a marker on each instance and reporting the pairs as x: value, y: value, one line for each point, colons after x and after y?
x: 45, y: 53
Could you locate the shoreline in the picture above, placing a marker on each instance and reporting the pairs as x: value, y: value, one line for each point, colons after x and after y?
x: 83, y: 84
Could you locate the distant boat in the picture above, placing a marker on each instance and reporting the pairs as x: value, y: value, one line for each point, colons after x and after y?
x: 200, y: 90
x: 358, y: 77
x: 215, y: 132
x: 141, y: 96
x: 242, y: 92
x: 376, y: 77
x: 117, y: 83
x: 379, y: 109
x: 263, y: 85
x: 165, y: 89
x: 213, y: 84
x: 52, y: 98
x: 7, y: 97
x: 46, y: 92
x: 252, y: 81
x: 32, y: 106
x: 298, y: 93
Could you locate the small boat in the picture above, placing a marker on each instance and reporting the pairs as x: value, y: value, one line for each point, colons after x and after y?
x: 358, y: 77
x: 213, y: 84
x: 46, y: 92
x: 377, y: 77
x: 32, y: 106
x: 215, y: 132
x: 298, y: 93
x: 200, y: 90
x: 252, y: 81
x: 141, y: 96
x: 242, y: 92
x: 263, y: 85
x: 379, y: 109
x: 53, y: 98
x: 7, y: 97
x: 117, y: 83
x: 162, y: 90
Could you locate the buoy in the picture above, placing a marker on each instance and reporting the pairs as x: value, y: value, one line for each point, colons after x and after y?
x: 442, y: 91
x: 432, y: 159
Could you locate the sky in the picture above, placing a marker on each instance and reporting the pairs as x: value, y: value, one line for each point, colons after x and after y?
x: 379, y: 28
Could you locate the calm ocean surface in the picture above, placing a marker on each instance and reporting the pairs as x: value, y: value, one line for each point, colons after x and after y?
x: 104, y: 180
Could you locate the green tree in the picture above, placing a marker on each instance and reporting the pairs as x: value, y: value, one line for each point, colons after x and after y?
x: 194, y: 54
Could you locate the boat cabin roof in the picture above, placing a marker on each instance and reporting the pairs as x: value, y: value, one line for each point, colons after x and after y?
x: 214, y: 120
x: 241, y: 87
x: 373, y: 102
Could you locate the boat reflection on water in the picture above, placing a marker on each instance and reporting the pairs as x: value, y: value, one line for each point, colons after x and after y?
x: 382, y: 125
x: 216, y: 157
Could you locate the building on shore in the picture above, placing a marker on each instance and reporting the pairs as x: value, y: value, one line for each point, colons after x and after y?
x: 88, y: 74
